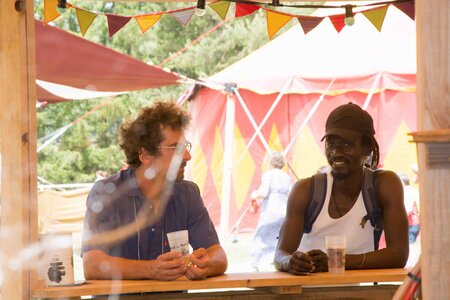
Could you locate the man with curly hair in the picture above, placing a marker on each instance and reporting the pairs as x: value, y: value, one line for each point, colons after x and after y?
x: 130, y: 213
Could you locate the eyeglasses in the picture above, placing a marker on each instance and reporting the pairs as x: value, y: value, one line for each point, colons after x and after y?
x: 179, y: 148
x: 332, y: 146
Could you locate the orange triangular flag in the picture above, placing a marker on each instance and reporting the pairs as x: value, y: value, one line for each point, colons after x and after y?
x: 221, y: 8
x: 147, y: 21
x: 115, y: 23
x: 309, y: 23
x: 275, y: 21
x: 50, y: 12
x: 85, y: 19
x: 183, y: 15
x: 338, y: 22
x: 376, y: 16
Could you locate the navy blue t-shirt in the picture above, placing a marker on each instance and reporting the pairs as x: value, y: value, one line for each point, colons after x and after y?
x: 116, y: 201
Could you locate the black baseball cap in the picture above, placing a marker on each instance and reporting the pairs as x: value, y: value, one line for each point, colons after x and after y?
x: 350, y: 122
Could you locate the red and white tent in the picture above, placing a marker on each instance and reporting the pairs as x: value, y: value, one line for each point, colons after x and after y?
x: 70, y: 67
x: 281, y: 95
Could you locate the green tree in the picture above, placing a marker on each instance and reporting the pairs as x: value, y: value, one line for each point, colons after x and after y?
x: 92, y: 143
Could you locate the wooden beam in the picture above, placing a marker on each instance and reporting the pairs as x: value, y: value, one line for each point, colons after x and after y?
x: 433, y: 98
x: 18, y: 147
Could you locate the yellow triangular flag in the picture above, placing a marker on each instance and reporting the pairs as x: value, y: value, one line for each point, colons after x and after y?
x: 221, y: 8
x: 275, y: 21
x: 50, y: 12
x: 85, y: 19
x: 376, y: 16
x: 147, y: 21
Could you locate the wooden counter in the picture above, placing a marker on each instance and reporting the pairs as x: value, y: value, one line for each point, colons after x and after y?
x: 272, y: 282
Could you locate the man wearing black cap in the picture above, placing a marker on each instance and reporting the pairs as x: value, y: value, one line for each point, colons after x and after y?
x: 349, y: 146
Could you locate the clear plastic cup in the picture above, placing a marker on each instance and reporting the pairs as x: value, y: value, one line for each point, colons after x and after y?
x: 336, y: 254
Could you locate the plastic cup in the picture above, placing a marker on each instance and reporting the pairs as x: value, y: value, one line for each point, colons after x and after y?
x: 336, y: 254
x: 179, y: 242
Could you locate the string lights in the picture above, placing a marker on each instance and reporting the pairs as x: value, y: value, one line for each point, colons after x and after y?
x: 61, y: 7
x: 200, y: 9
x: 349, y: 19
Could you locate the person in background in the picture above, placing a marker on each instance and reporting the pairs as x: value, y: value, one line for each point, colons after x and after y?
x: 411, y: 198
x: 271, y: 196
x: 349, y: 142
x: 151, y: 198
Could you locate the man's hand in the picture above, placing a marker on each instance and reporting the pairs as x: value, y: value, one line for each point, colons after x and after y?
x: 168, y: 266
x: 300, y: 264
x: 201, y: 265
x: 320, y: 260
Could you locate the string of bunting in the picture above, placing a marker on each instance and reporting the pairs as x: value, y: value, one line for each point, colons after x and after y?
x: 275, y: 19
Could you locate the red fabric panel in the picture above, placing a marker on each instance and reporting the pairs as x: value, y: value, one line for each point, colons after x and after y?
x: 388, y: 109
x: 67, y: 59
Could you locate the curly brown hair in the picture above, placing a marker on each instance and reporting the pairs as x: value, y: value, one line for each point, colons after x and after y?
x: 146, y: 130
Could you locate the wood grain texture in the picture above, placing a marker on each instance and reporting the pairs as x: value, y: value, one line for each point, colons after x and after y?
x: 18, y: 148
x: 277, y: 280
x: 433, y: 98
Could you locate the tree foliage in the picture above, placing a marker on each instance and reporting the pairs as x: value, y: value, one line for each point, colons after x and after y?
x: 91, y: 144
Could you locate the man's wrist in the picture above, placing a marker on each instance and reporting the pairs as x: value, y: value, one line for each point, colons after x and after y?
x: 285, y: 263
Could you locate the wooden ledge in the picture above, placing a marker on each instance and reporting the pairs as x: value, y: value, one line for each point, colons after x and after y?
x: 431, y: 136
x: 273, y: 282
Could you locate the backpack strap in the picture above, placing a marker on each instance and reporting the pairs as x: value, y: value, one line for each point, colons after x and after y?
x: 316, y: 200
x: 374, y: 212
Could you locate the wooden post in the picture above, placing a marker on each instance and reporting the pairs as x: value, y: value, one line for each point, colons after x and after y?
x: 433, y: 98
x: 18, y: 226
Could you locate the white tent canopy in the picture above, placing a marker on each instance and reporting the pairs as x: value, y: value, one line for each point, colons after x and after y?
x: 358, y: 51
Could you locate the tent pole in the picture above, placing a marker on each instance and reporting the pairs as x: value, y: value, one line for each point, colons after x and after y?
x: 371, y: 92
x: 266, y: 117
x: 310, y: 114
x: 227, y: 164
x: 252, y: 120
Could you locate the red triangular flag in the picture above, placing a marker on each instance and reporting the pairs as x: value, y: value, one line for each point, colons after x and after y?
x: 309, y: 23
x: 407, y: 8
x: 115, y: 23
x: 338, y: 22
x: 245, y: 9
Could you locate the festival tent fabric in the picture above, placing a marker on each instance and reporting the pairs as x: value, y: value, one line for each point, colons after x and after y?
x: 283, y: 94
x: 70, y: 67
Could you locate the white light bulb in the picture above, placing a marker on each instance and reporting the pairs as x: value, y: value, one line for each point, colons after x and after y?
x: 200, y: 12
x: 349, y: 21
x: 61, y: 10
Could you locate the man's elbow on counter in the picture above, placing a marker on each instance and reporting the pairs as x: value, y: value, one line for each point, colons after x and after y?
x: 400, y: 258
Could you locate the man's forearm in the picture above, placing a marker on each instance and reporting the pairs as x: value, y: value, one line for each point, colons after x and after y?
x: 218, y: 259
x: 384, y: 258
x: 99, y: 265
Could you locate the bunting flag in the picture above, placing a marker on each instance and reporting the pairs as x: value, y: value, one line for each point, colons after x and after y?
x: 221, y: 8
x: 85, y: 19
x: 147, y: 21
x: 309, y: 23
x: 376, y: 16
x: 184, y: 15
x: 115, y: 23
x: 275, y: 21
x: 245, y: 9
x: 408, y: 8
x: 338, y: 22
x: 50, y: 12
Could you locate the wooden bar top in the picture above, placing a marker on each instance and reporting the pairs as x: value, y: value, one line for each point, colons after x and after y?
x: 236, y: 280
